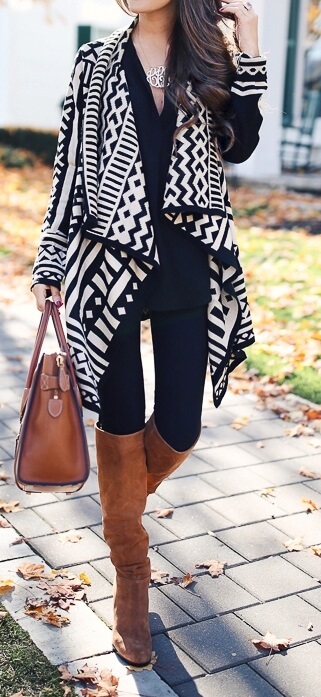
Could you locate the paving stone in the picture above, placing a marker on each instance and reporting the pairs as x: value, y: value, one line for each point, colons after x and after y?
x: 5, y: 429
x: 11, y: 491
x: 60, y: 554
x: 211, y: 418
x: 297, y: 674
x: 163, y: 613
x: 90, y: 488
x: 265, y: 428
x: 228, y: 634
x: 245, y: 508
x: 191, y: 490
x: 7, y: 537
x: 209, y: 597
x: 240, y: 681
x: 173, y: 664
x: 289, y: 498
x: 253, y: 411
x: 274, y: 449
x: 222, y: 435
x: 158, y: 534
x: 307, y: 525
x: 194, y: 520
x: 270, y: 578
x: 100, y: 588
x: 131, y: 684
x: 314, y: 598
x: 314, y: 484
x: 85, y: 636
x: 192, y: 465
x: 309, y: 444
x: 254, y: 541
x: 155, y: 501
x: 306, y: 561
x: 7, y: 449
x: 105, y: 568
x: 227, y: 457
x: 67, y: 515
x: 28, y: 523
x: 186, y: 553
x: 230, y: 482
x: 286, y: 617
x: 284, y: 471
x: 98, y: 530
x: 158, y: 562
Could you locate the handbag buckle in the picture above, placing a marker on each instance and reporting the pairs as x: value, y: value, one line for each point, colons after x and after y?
x: 60, y: 359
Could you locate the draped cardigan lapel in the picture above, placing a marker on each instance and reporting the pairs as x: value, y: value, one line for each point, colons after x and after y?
x: 113, y: 174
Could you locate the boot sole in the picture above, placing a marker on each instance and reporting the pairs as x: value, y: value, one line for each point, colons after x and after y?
x: 131, y: 663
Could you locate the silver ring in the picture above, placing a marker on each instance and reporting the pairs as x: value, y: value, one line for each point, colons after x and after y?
x: 247, y: 6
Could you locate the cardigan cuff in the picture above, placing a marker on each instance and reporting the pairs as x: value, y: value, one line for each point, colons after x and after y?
x: 251, y: 75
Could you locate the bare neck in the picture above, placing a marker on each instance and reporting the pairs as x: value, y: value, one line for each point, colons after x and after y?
x: 157, y: 26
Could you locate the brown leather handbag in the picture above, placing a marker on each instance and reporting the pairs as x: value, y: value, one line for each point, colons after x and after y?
x: 51, y: 448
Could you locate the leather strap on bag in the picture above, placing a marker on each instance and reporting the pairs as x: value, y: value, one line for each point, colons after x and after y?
x: 50, y: 311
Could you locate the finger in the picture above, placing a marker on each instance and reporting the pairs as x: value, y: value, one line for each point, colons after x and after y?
x: 40, y: 293
x: 56, y: 296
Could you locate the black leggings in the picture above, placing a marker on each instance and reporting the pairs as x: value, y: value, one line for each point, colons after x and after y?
x: 180, y: 360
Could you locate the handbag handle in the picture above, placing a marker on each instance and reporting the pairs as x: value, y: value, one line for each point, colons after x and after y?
x: 50, y: 310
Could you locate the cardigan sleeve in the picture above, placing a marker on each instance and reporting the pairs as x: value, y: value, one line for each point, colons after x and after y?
x: 49, y: 266
x: 244, y: 113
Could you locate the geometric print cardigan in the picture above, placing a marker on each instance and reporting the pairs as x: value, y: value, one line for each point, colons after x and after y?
x: 97, y: 234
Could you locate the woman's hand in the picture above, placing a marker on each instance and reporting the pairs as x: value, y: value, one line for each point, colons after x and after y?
x: 246, y: 24
x: 40, y: 292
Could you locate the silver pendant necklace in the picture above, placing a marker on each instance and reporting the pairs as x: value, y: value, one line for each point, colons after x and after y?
x: 156, y: 77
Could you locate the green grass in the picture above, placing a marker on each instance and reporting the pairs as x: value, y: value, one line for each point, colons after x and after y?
x: 283, y: 275
x: 23, y: 666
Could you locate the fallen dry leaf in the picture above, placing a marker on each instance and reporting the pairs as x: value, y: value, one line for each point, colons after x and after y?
x: 65, y: 674
x: 260, y: 444
x: 5, y: 523
x: 159, y: 577
x: 87, y: 674
x: 85, y: 578
x: 299, y: 430
x: 90, y: 422
x: 18, y: 694
x: 267, y: 492
x: 10, y: 506
x: 4, y: 476
x: 164, y: 512
x: 70, y: 536
x: 17, y: 541
x: 309, y: 473
x: 30, y: 570
x: 310, y: 505
x: 295, y: 545
x: 6, y: 586
x: 184, y: 581
x: 270, y: 641
x: 150, y: 665
x: 3, y: 614
x: 240, y: 422
x: 45, y: 614
x: 316, y: 549
x: 215, y: 568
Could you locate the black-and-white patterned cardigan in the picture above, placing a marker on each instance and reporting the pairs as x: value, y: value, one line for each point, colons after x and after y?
x: 98, y: 234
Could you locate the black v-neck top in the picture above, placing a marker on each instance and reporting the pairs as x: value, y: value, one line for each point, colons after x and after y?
x: 183, y: 279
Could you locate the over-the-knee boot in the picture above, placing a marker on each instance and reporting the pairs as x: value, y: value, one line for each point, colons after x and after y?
x: 123, y: 490
x: 161, y: 458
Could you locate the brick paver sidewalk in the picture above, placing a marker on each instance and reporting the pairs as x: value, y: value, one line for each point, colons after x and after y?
x: 223, y: 510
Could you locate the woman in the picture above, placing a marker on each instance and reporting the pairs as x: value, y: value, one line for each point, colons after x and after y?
x: 140, y: 225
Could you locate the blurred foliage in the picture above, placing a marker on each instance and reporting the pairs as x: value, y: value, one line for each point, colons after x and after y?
x: 43, y: 144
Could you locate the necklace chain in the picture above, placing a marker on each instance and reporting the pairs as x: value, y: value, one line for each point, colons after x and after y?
x: 155, y: 76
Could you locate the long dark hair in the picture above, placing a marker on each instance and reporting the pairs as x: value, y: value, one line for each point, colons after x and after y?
x: 201, y: 53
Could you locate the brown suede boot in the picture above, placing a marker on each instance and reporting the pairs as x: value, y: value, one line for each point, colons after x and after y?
x: 123, y: 490
x: 161, y: 459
